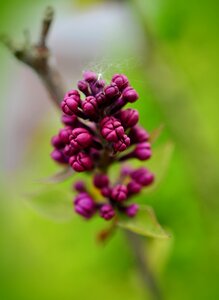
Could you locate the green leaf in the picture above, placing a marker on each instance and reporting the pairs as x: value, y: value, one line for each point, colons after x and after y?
x: 158, y: 164
x: 144, y: 223
x: 52, y: 203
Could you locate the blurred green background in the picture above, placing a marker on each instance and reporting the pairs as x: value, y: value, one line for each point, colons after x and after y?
x: 48, y: 253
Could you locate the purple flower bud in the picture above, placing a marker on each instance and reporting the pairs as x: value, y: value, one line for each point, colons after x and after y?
x: 122, y: 144
x: 83, y: 86
x: 84, y: 205
x: 131, y: 210
x: 71, y: 102
x: 121, y: 81
x: 111, y: 129
x: 126, y: 170
x: 107, y: 212
x: 81, y: 162
x: 129, y: 94
x: 57, y: 142
x: 142, y: 176
x: 142, y: 151
x: 106, y: 192
x: 129, y: 117
x: 97, y: 87
x: 69, y: 120
x: 79, y: 186
x: 101, y: 180
x: 59, y: 157
x: 80, y: 138
x: 133, y: 188
x: 112, y: 91
x: 64, y: 134
x: 89, y: 76
x: 90, y: 106
x: 138, y: 134
x: 69, y: 150
x: 101, y: 98
x: 119, y: 193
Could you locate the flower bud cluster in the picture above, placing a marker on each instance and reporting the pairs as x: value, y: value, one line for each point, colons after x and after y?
x: 97, y: 132
x: 115, y: 196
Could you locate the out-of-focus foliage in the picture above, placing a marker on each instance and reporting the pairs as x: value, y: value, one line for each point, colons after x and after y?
x: 45, y: 259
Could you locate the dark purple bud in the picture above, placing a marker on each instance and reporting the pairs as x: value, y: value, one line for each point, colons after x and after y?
x: 80, y: 138
x: 121, y: 81
x: 134, y: 188
x: 129, y: 117
x: 69, y: 120
x: 97, y: 86
x: 142, y: 151
x: 119, y: 193
x: 59, y: 156
x: 122, y: 144
x: 107, y: 212
x: 79, y: 186
x: 71, y: 102
x: 131, y: 210
x: 129, y: 94
x: 81, y: 162
x: 142, y: 176
x: 101, y: 180
x: 83, y: 86
x: 90, y: 106
x: 101, y: 98
x: 57, y: 142
x: 64, y: 134
x: 89, y: 76
x: 138, y: 134
x: 69, y: 150
x: 106, y: 192
x: 84, y: 205
x: 111, y: 129
x: 112, y: 91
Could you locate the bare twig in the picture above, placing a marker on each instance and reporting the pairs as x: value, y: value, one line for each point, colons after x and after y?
x: 37, y: 56
x: 139, y: 253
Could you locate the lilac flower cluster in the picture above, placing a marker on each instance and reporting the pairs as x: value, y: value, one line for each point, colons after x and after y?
x: 97, y: 132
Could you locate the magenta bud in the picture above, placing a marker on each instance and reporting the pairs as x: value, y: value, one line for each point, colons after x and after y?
x: 59, y: 157
x: 83, y: 86
x: 142, y: 176
x: 134, y: 188
x: 69, y: 150
x: 112, y: 91
x: 80, y: 138
x: 101, y: 98
x: 81, y: 162
x: 107, y: 212
x: 111, y: 129
x: 90, y: 106
x: 69, y: 120
x: 106, y: 192
x: 57, y: 142
x: 121, y: 81
x: 84, y: 205
x: 142, y: 151
x: 122, y: 144
x: 64, y: 134
x: 129, y: 117
x: 119, y: 193
x: 79, y: 186
x: 101, y: 180
x: 89, y: 76
x: 126, y: 170
x: 138, y: 134
x: 131, y: 210
x: 71, y: 102
x: 129, y: 94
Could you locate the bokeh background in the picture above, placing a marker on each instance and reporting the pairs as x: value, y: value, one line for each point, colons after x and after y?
x: 169, y: 50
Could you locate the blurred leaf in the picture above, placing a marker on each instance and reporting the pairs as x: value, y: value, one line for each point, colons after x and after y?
x: 159, y: 164
x: 53, y: 203
x: 156, y: 133
x: 59, y: 176
x: 144, y: 223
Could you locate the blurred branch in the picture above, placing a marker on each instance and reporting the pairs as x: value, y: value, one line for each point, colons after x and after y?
x: 37, y: 56
x: 139, y: 252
